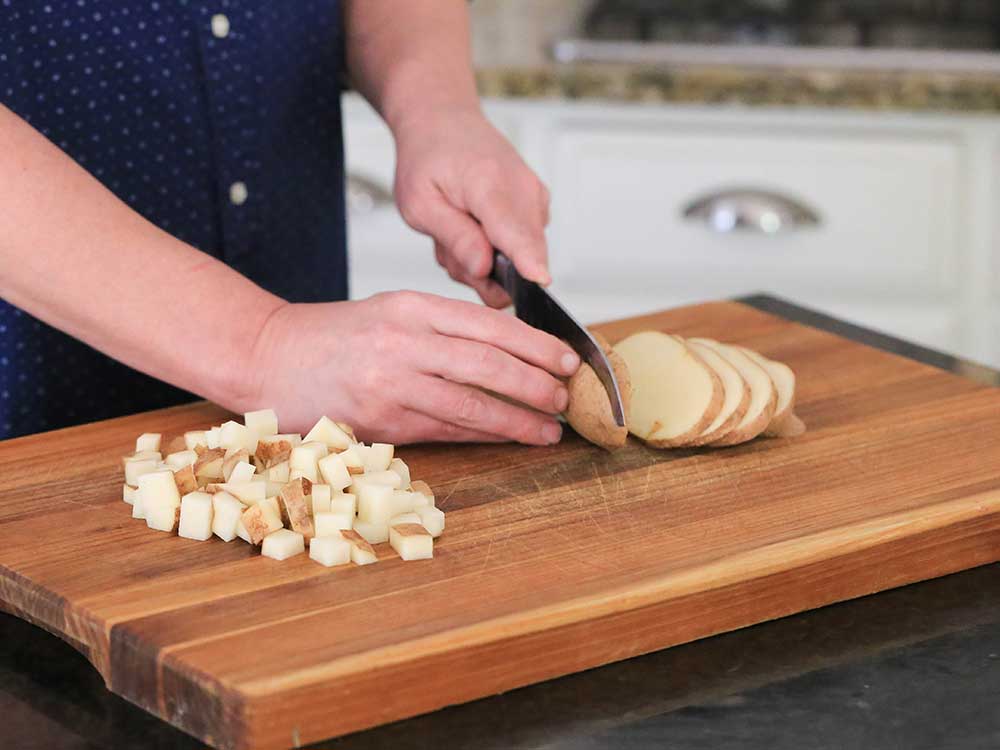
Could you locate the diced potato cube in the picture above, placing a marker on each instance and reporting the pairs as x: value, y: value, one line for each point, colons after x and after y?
x: 378, y: 457
x: 277, y: 473
x: 329, y: 524
x: 234, y: 457
x: 424, y: 489
x: 282, y: 544
x: 260, y: 520
x: 273, y: 488
x: 412, y: 541
x: 327, y: 431
x: 136, y: 467
x: 160, y: 499
x: 344, y: 502
x: 208, y: 465
x: 334, y: 471
x: 247, y: 492
x: 404, y: 518
x: 128, y: 494
x: 138, y: 511
x: 431, y: 519
x: 226, y: 512
x: 330, y: 550
x: 196, y: 516
x: 375, y: 503
x: 303, y: 460
x: 233, y: 435
x: 180, y: 459
x: 262, y: 423
x: 194, y: 438
x: 373, y: 533
x: 296, y: 505
x: 352, y: 459
x: 185, y: 480
x: 241, y: 531
x: 399, y: 466
x: 275, y: 505
x: 212, y: 437
x: 362, y: 552
x: 148, y: 441
x: 242, y: 472
x: 275, y: 449
x: 420, y: 500
x: 321, y: 495
x: 388, y: 478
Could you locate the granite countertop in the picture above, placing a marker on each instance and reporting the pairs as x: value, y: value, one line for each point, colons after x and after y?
x: 916, y: 667
x: 751, y: 86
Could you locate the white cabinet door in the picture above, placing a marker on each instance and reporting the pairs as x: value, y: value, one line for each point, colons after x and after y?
x: 889, y: 220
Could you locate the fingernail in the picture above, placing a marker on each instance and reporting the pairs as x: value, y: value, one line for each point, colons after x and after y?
x: 551, y: 433
x: 570, y: 362
x: 562, y: 399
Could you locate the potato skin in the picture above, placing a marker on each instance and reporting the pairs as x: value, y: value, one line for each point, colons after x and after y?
x: 589, y: 410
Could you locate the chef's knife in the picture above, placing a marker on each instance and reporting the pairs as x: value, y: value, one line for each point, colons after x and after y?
x: 536, y: 307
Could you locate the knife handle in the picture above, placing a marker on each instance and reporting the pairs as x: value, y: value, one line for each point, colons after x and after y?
x: 505, y: 274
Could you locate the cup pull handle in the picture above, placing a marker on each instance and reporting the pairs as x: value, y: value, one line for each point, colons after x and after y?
x: 753, y: 210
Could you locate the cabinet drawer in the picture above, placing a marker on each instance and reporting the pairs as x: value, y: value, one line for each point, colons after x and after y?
x: 888, y: 209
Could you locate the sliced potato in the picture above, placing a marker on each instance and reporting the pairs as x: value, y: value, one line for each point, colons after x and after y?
x: 763, y: 395
x: 675, y: 395
x: 737, y: 394
x: 784, y: 423
x: 589, y: 409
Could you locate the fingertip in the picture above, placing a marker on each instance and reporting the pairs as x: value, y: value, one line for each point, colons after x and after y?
x: 570, y: 362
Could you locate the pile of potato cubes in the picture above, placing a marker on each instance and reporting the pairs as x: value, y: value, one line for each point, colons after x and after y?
x: 283, y: 492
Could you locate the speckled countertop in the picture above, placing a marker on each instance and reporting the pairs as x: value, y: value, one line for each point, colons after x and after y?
x: 872, y: 90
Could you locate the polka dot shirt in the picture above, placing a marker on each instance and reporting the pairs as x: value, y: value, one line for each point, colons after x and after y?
x: 217, y: 121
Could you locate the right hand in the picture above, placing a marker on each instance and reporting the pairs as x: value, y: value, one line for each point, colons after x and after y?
x: 406, y: 367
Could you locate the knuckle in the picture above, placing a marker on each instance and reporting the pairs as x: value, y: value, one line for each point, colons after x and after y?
x: 487, y: 362
x: 470, y: 408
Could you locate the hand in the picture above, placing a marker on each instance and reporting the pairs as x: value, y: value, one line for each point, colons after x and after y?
x: 461, y: 182
x: 406, y: 367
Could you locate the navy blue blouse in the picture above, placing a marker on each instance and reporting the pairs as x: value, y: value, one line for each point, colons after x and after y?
x: 217, y: 121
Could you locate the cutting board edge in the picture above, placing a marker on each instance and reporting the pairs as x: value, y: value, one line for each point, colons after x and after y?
x: 980, y: 513
x: 969, y: 542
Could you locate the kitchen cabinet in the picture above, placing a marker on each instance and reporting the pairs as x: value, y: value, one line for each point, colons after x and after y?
x: 885, y: 219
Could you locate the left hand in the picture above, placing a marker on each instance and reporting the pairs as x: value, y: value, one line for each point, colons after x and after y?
x: 461, y: 182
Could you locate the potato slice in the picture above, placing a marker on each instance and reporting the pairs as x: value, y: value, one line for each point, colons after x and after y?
x: 589, y: 409
x: 411, y: 541
x: 737, y: 394
x: 675, y: 395
x: 148, y: 441
x: 362, y: 553
x: 784, y: 423
x: 330, y: 550
x: 196, y: 516
x: 329, y: 433
x: 763, y: 395
x: 282, y: 544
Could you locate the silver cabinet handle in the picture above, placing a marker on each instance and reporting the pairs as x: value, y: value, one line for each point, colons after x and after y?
x: 365, y: 195
x: 751, y: 209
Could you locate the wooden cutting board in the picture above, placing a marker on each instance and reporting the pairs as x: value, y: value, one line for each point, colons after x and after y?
x: 554, y: 560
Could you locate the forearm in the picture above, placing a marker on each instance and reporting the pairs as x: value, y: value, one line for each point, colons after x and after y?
x: 76, y: 257
x: 412, y: 57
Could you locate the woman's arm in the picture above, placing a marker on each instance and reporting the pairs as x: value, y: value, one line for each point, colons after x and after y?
x: 457, y: 178
x: 75, y: 256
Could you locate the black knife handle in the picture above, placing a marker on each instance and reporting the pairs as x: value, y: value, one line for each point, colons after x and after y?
x: 505, y: 274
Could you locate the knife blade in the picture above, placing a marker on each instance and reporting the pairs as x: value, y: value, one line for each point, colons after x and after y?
x: 538, y: 308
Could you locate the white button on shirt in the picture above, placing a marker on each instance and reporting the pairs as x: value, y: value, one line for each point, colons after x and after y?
x: 220, y: 26
x: 238, y: 193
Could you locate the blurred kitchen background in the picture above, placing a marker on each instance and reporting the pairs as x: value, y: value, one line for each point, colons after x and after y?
x: 844, y: 154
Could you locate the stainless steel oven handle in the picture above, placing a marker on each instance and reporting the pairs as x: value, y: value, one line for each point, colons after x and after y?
x: 751, y: 209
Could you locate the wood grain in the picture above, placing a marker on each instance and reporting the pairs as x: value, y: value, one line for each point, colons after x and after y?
x: 554, y: 560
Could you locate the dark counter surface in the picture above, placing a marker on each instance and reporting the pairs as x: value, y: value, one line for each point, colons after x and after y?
x: 914, y: 668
